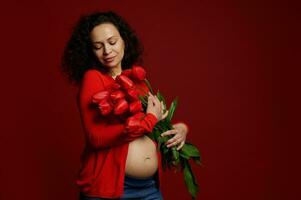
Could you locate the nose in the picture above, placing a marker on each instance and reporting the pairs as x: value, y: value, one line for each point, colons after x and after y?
x: 107, y: 49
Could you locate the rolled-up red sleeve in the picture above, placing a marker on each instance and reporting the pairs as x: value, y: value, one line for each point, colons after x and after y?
x: 105, y: 131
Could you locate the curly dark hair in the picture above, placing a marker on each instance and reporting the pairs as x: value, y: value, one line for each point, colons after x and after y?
x: 78, y: 55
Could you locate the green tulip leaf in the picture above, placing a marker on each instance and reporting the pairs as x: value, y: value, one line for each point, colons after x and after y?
x: 161, y: 98
x: 175, y: 154
x: 172, y: 109
x: 190, y: 150
x: 149, y: 86
x: 190, y: 181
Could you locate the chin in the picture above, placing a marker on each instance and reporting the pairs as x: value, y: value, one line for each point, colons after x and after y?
x: 111, y: 65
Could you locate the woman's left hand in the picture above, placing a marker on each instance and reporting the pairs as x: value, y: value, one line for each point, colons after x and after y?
x: 180, y: 131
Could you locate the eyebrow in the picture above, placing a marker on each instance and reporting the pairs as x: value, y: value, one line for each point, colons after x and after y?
x: 107, y: 39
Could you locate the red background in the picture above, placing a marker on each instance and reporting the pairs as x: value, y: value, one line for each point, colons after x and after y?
x: 231, y: 63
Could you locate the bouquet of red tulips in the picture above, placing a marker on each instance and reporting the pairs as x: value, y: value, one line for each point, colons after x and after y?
x: 123, y: 99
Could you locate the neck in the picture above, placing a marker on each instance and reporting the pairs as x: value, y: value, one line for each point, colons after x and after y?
x: 115, y: 71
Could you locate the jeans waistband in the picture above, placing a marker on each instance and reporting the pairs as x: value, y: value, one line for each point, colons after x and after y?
x: 139, y: 182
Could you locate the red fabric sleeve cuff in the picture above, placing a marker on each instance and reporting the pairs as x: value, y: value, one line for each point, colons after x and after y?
x: 151, y: 119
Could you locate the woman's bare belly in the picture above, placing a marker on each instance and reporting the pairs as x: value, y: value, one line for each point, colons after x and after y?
x: 142, y: 158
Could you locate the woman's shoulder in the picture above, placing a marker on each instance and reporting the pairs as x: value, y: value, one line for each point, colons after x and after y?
x: 92, y: 76
x: 92, y: 72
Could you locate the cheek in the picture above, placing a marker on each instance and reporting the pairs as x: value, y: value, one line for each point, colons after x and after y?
x: 98, y: 54
x: 121, y: 53
x: 120, y: 47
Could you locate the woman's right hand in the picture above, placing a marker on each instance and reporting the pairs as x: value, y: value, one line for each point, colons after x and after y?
x: 155, y: 107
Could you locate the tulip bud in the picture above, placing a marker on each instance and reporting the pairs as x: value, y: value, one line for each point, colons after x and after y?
x: 115, y: 86
x: 127, y: 72
x: 135, y: 107
x: 132, y: 94
x: 105, y: 107
x: 99, y: 96
x: 118, y: 94
x: 121, y: 106
x: 138, y: 73
x: 124, y: 81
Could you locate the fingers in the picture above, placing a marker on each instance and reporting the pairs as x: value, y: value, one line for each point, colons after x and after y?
x: 175, y: 140
x: 149, y: 100
x: 181, y: 145
x: 150, y: 95
x: 165, y: 115
x: 154, y: 99
x: 163, y: 106
x: 155, y: 106
x: 169, y: 132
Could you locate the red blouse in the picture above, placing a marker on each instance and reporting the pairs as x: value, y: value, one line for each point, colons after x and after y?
x: 102, y: 162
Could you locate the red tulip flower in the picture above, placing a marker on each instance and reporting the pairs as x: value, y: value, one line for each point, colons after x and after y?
x: 115, y: 86
x: 127, y: 72
x: 105, y: 107
x: 135, y: 107
x: 118, y: 94
x: 125, y: 81
x: 99, y: 96
x: 132, y: 94
x: 138, y: 73
x: 121, y: 106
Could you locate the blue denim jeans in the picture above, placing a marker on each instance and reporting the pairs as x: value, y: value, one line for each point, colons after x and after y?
x: 136, y: 189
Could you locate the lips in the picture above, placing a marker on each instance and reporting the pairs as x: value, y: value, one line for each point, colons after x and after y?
x: 109, y: 59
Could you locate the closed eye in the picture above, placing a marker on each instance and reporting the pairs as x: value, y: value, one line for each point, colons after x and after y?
x: 97, y: 47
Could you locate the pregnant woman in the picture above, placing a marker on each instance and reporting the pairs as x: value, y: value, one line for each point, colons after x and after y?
x: 115, y: 163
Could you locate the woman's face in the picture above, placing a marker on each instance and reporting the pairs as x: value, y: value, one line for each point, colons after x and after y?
x: 108, y: 45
